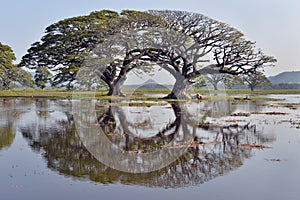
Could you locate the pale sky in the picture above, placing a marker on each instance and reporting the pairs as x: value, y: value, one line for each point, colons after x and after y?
x: 273, y: 24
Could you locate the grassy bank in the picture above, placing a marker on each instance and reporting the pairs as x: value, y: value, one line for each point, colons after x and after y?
x: 138, y: 94
x: 37, y: 93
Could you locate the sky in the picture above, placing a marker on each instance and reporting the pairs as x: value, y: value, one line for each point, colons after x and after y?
x: 273, y: 24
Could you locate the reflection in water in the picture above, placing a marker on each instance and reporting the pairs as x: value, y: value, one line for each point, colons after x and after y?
x: 218, y: 109
x: 214, y: 152
x: 7, y: 134
x: 140, y: 129
x: 10, y: 111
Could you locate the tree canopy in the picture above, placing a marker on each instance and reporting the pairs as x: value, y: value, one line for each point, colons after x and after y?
x: 66, y: 44
x: 111, y: 44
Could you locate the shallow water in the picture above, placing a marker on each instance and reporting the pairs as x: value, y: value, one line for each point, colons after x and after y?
x: 44, y: 155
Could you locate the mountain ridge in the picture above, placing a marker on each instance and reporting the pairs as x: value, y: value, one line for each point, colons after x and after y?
x: 288, y: 77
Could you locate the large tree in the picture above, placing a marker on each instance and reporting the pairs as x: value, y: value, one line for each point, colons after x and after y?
x: 67, y: 43
x: 10, y: 73
x: 231, y: 52
x: 181, y: 47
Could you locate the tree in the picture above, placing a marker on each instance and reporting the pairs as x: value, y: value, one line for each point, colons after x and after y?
x: 215, y: 79
x: 231, y: 52
x: 228, y: 80
x: 67, y: 43
x: 129, y: 41
x: 6, y: 65
x: 200, y: 82
x: 180, y: 48
x: 256, y: 79
x: 10, y: 73
x: 24, y: 78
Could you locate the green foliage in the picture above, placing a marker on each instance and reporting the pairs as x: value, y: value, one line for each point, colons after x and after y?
x: 227, y: 79
x: 231, y: 80
x: 134, y: 19
x: 24, y: 78
x: 256, y: 80
x: 67, y: 44
x: 199, y: 82
x: 7, y: 56
x: 10, y: 73
x: 7, y: 68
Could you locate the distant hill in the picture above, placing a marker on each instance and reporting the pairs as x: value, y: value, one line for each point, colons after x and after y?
x: 149, y: 84
x: 286, y: 77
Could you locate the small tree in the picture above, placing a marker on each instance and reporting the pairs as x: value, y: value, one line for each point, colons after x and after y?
x: 230, y: 81
x: 215, y: 79
x: 199, y: 82
x: 255, y: 80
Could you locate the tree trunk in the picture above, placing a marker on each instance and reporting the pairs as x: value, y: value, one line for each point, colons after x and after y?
x: 111, y: 89
x: 115, y: 90
x: 215, y: 86
x: 179, y: 89
x: 116, y: 86
x: 6, y: 85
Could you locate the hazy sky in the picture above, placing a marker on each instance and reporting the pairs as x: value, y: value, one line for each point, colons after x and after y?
x: 273, y: 24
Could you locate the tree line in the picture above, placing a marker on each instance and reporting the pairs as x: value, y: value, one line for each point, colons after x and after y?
x: 256, y: 80
x: 105, y: 46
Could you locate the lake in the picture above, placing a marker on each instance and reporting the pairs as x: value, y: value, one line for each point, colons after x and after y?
x: 83, y: 149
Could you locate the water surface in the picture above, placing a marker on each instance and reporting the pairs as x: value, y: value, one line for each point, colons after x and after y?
x: 42, y: 156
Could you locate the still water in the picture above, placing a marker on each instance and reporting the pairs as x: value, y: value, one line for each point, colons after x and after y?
x: 227, y: 150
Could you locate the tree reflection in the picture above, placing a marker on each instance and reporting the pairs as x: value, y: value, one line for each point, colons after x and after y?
x: 42, y: 106
x: 116, y: 124
x: 214, y: 152
x: 10, y: 112
x: 7, y: 134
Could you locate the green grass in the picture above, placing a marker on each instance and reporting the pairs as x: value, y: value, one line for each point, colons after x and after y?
x: 205, y: 91
x: 134, y: 94
x: 35, y: 93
